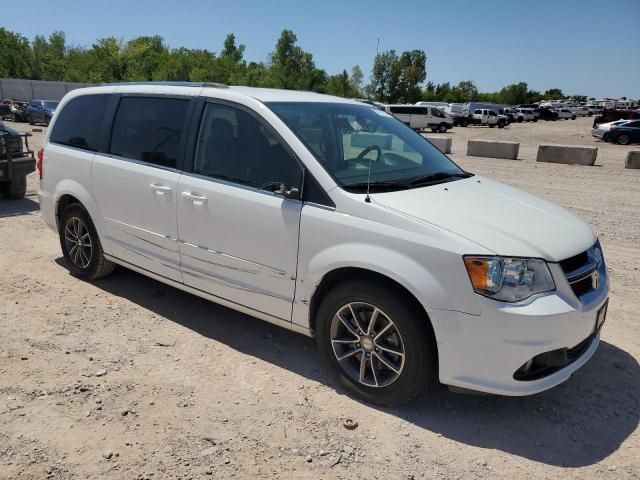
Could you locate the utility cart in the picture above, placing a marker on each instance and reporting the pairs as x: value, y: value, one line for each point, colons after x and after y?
x: 16, y: 162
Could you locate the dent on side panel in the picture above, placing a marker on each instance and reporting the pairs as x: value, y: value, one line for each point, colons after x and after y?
x: 419, y: 259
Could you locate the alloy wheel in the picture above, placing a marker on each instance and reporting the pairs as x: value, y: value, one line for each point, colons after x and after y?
x: 77, y: 240
x: 623, y: 139
x: 367, y: 344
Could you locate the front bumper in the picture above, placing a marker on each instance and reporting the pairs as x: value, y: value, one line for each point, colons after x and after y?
x: 484, y: 352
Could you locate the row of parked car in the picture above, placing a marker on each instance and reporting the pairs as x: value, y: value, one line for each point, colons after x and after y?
x: 35, y: 111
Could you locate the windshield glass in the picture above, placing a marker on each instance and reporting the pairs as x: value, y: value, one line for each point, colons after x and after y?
x: 348, y: 138
x: 51, y: 105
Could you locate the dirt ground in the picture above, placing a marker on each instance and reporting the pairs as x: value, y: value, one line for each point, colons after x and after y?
x: 126, y: 378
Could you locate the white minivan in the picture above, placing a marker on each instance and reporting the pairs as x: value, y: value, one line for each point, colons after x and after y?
x: 329, y: 218
x: 421, y: 117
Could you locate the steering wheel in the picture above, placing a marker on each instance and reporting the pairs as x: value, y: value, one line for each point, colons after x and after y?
x: 367, y: 150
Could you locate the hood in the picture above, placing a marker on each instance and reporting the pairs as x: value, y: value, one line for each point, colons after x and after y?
x: 495, y: 216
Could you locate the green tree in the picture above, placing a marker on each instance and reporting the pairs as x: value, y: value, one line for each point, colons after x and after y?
x: 356, y: 80
x: 231, y: 51
x: 143, y: 57
x: 412, y: 74
x: 15, y: 52
x: 553, y: 94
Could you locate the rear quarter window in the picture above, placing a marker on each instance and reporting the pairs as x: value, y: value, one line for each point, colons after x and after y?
x: 80, y: 121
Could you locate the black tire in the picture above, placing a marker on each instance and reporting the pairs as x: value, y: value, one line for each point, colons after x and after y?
x: 97, y: 266
x: 420, y: 351
x: 535, y: 119
x: 464, y: 122
x: 442, y: 128
x: 491, y: 126
x: 623, y: 139
x: 573, y: 118
x: 47, y: 120
x: 14, y: 118
x: 14, y: 189
x: 30, y: 120
x: 590, y: 113
x: 434, y: 130
x: 520, y: 119
x: 501, y: 125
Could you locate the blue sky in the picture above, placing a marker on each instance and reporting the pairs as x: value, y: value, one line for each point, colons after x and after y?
x: 583, y: 47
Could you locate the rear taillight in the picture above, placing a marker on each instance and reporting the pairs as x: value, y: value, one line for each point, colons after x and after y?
x: 40, y: 155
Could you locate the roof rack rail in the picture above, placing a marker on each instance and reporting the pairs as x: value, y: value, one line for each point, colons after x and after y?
x: 170, y: 84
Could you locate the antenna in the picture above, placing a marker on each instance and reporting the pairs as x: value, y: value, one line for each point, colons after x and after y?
x: 367, y: 199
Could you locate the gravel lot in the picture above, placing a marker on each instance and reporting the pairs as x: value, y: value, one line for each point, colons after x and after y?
x: 128, y: 378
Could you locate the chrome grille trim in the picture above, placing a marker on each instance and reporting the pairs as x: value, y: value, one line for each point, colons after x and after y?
x: 587, y: 279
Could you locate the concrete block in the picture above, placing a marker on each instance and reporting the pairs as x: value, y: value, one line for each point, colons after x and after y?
x: 484, y: 148
x: 567, y: 154
x: 633, y: 159
x: 441, y: 143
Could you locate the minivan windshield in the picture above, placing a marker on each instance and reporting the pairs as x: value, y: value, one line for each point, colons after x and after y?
x: 349, y: 139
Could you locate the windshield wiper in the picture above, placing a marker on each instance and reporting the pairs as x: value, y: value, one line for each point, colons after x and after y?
x: 438, y: 176
x: 384, y: 184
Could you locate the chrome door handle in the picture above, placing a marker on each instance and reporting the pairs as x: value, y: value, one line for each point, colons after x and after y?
x: 196, y: 199
x: 160, y: 189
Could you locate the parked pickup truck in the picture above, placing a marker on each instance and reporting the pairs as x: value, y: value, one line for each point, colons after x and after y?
x: 16, y: 162
x: 484, y: 116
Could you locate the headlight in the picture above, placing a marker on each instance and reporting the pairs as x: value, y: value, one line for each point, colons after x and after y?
x: 509, y: 279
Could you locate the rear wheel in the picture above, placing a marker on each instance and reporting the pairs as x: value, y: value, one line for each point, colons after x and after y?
x: 623, y: 139
x: 376, y: 342
x: 464, y: 122
x: 81, y: 246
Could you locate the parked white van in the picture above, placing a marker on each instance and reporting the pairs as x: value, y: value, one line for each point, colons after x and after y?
x: 421, y: 117
x: 329, y: 218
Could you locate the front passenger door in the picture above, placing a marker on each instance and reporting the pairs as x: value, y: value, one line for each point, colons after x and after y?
x: 238, y: 230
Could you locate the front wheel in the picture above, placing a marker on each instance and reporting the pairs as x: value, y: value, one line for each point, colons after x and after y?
x: 81, y: 246
x: 376, y: 342
x: 30, y: 120
x: 442, y: 128
x: 573, y: 118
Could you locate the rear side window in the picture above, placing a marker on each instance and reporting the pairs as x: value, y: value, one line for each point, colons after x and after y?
x: 78, y: 124
x: 149, y: 129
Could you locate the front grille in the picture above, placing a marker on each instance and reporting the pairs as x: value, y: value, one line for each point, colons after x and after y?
x: 583, y: 271
x: 575, y: 262
x: 582, y: 286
